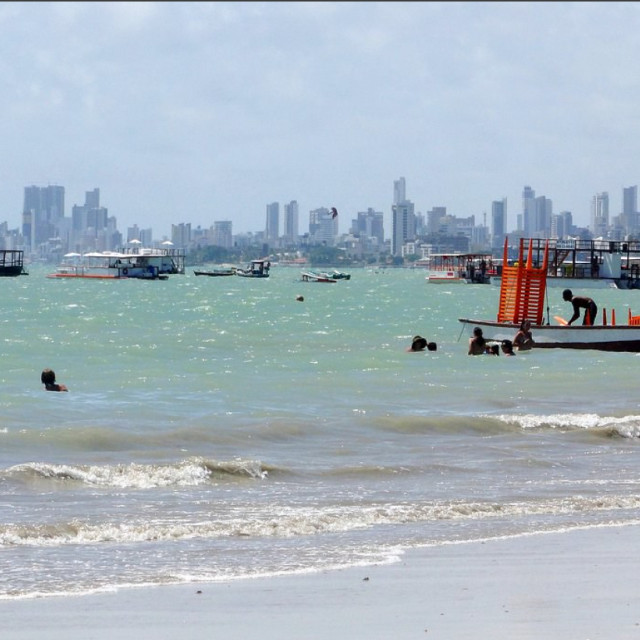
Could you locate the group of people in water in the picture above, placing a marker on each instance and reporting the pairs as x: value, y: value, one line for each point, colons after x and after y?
x: 420, y: 344
x: 522, y: 341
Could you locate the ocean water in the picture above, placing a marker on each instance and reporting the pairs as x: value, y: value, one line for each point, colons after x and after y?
x: 218, y: 429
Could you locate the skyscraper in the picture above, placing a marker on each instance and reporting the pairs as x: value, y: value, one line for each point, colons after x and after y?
x: 222, y: 233
x: 528, y: 211
x: 498, y: 223
x: 272, y: 230
x: 43, y: 208
x: 370, y: 223
x: 404, y: 226
x: 629, y: 216
x: 323, y: 227
x: 399, y: 191
x: 291, y: 232
x: 600, y: 215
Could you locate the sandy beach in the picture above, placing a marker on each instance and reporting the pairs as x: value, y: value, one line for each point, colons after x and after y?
x: 576, y: 585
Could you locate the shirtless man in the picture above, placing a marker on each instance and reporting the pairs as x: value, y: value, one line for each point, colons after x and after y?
x: 581, y: 302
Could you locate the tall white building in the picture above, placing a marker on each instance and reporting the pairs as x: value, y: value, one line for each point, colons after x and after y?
x: 600, y: 215
x: 291, y: 216
x: 404, y: 226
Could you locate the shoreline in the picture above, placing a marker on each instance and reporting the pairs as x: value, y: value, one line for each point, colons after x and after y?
x: 578, y: 584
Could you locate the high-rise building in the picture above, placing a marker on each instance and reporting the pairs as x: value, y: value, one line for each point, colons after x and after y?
x: 404, y: 225
x: 90, y: 223
x: 629, y: 218
x: 528, y: 211
x: 272, y: 229
x: 369, y: 224
x: 543, y: 210
x: 92, y: 199
x: 434, y: 220
x: 223, y: 233
x: 399, y: 191
x: 600, y: 215
x: 291, y: 216
x: 498, y: 223
x: 630, y: 200
x: 323, y: 227
x: 43, y: 208
x: 561, y: 225
x: 181, y: 234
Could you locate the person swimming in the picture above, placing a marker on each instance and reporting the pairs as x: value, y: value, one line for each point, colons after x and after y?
x: 418, y: 344
x: 507, y: 348
x: 523, y: 340
x: 48, y: 378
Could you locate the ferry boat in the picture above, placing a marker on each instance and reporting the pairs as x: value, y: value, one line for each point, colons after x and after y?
x: 585, y: 264
x: 460, y: 268
x: 141, y: 264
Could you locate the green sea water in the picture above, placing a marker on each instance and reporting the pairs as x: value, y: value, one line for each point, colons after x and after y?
x: 220, y: 428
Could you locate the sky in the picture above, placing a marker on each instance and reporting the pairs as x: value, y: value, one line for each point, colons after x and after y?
x: 205, y: 111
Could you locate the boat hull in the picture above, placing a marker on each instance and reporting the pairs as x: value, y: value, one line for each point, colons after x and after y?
x: 230, y: 272
x: 445, y: 280
x: 620, y: 338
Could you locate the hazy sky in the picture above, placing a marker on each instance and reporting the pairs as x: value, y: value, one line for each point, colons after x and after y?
x: 196, y: 112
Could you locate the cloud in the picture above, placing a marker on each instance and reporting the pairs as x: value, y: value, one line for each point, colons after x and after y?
x: 195, y: 112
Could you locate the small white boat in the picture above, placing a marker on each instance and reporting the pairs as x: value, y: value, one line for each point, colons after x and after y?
x: 311, y: 276
x: 336, y: 275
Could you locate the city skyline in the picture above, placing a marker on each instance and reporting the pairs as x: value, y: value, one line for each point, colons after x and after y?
x: 509, y: 214
x: 198, y: 112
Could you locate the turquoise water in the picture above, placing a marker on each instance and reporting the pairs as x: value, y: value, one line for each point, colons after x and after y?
x: 218, y: 428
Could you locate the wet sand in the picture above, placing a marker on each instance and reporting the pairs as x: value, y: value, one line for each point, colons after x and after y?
x: 578, y: 585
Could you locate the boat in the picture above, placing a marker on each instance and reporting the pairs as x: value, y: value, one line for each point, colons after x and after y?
x: 460, y: 268
x: 223, y: 271
x: 12, y: 263
x: 522, y: 294
x: 586, y: 264
x: 255, y: 269
x: 336, y: 275
x: 312, y: 276
x: 141, y: 264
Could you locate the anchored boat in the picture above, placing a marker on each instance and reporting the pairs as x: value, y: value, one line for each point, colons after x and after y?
x: 312, y: 276
x: 142, y: 264
x: 522, y: 294
x: 12, y: 263
x: 255, y: 269
x: 460, y: 268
